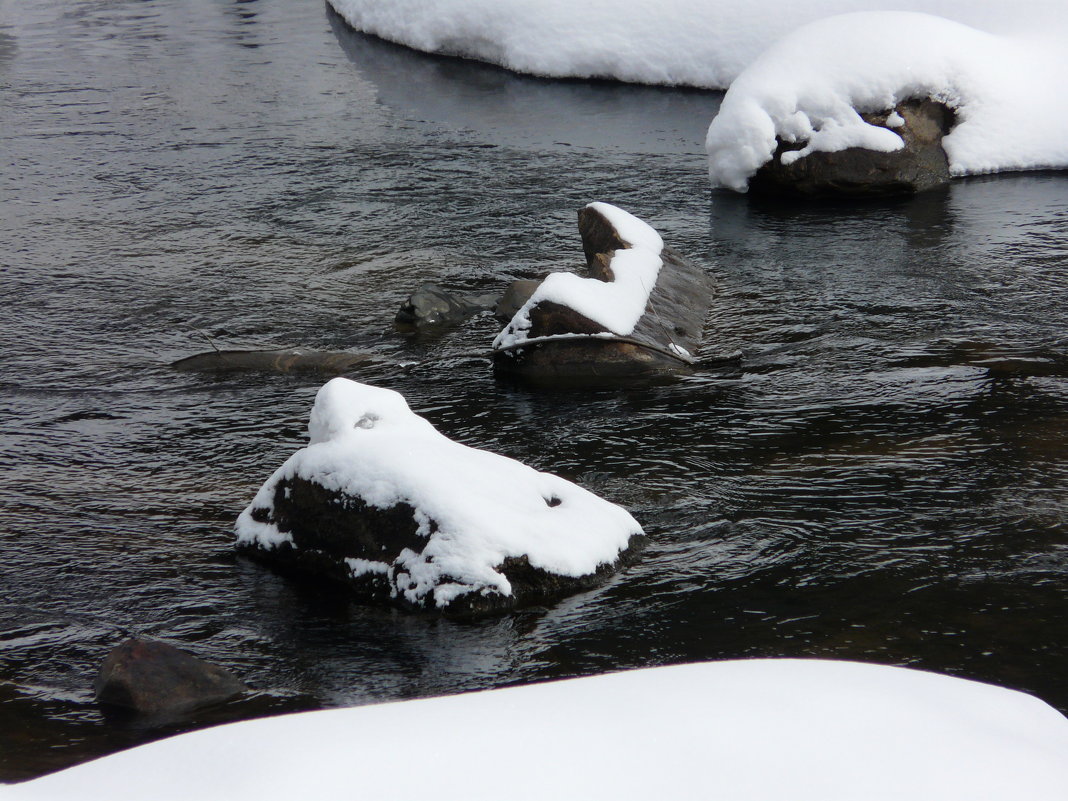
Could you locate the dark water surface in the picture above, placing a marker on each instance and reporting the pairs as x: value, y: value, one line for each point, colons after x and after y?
x: 881, y: 477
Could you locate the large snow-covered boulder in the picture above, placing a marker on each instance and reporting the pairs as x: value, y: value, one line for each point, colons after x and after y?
x: 746, y: 730
x: 640, y: 312
x: 843, y: 84
x: 383, y: 503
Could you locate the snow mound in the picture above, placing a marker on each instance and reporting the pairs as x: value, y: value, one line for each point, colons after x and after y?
x: 751, y: 730
x: 472, y: 509
x: 618, y: 304
x: 702, y: 43
x: 810, y: 86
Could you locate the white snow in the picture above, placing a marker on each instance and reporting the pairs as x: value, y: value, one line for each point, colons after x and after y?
x: 809, y: 87
x: 617, y: 305
x: 751, y: 730
x: 366, y: 443
x: 703, y: 43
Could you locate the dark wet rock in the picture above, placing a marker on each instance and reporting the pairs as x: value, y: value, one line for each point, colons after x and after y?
x: 515, y: 296
x: 328, y: 528
x: 575, y: 350
x: 920, y: 165
x: 290, y: 360
x: 153, y: 678
x: 433, y: 305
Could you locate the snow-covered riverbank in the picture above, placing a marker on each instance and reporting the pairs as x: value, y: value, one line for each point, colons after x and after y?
x: 764, y: 730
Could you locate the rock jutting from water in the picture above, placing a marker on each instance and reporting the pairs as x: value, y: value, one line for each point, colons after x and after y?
x: 640, y: 313
x: 921, y: 164
x: 155, y: 679
x: 382, y: 503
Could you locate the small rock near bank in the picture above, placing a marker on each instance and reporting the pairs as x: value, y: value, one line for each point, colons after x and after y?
x: 153, y: 678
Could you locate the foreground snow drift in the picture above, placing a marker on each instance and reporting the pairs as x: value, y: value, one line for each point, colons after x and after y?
x: 703, y: 43
x: 381, y: 501
x: 809, y: 87
x: 762, y: 730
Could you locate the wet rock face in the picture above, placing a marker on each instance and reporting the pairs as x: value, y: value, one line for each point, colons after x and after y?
x: 334, y: 535
x: 155, y: 679
x: 919, y: 166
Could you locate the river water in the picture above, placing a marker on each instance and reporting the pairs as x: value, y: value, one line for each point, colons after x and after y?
x: 878, y: 475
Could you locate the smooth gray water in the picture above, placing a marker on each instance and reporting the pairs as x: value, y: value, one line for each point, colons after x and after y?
x: 881, y: 477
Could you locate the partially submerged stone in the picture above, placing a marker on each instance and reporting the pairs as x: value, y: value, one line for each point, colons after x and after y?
x: 287, y: 360
x: 431, y: 304
x: 640, y: 313
x: 383, y: 504
x: 156, y: 679
x: 514, y: 298
x: 920, y: 165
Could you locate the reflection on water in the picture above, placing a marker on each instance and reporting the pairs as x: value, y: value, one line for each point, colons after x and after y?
x: 879, y: 476
x: 519, y: 110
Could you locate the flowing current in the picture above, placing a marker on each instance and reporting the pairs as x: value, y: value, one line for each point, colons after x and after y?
x: 878, y: 473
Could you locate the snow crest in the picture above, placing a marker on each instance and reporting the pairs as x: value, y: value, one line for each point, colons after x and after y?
x: 810, y: 87
x: 702, y: 43
x: 475, y: 508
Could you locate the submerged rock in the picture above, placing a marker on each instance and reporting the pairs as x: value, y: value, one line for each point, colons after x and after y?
x: 640, y: 313
x: 920, y: 165
x: 384, y: 504
x: 290, y: 360
x: 434, y: 305
x: 153, y: 678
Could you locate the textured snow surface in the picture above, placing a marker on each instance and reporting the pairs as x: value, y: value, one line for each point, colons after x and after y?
x: 703, y: 43
x: 1007, y: 92
x: 753, y: 730
x: 366, y: 443
x: 619, y: 304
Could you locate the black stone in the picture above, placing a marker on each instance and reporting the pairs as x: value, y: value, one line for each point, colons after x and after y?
x: 328, y: 527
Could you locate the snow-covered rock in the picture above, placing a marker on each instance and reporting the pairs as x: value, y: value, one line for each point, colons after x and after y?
x: 703, y: 43
x: 813, y: 86
x: 640, y: 312
x: 383, y: 502
x: 750, y: 730
x: 921, y: 164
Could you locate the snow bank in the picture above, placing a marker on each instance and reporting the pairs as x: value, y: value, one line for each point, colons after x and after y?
x: 810, y: 86
x: 474, y: 508
x: 617, y: 305
x: 756, y: 730
x: 703, y: 43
